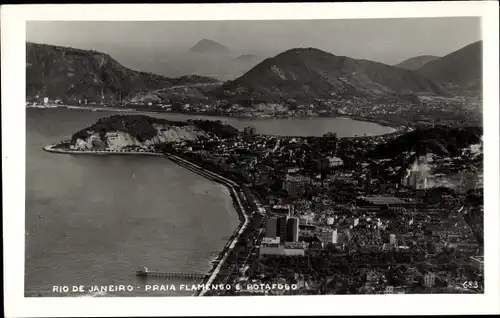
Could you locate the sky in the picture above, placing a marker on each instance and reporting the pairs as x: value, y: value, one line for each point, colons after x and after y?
x: 388, y: 41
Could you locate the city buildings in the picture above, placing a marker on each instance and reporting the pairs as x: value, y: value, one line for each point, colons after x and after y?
x: 328, y: 236
x: 282, y: 210
x: 469, y: 181
x: 380, y: 204
x: 417, y: 175
x: 389, y: 290
x: 373, y: 224
x: 271, y: 246
x: 271, y: 227
x: 294, y: 248
x: 260, y: 178
x: 296, y: 185
x: 250, y: 131
x: 478, y: 262
x: 429, y: 279
x: 392, y: 239
x: 281, y: 228
x: 415, y: 179
x: 334, y: 162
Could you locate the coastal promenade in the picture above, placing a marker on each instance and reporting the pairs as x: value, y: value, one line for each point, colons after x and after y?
x: 234, y: 190
x: 94, y: 108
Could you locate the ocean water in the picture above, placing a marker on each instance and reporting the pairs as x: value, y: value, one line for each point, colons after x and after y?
x: 95, y: 220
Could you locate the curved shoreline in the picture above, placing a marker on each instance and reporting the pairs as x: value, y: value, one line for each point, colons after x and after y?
x: 382, y: 123
x: 240, y: 209
x: 244, y: 219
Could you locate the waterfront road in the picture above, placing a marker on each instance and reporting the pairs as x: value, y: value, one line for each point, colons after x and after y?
x: 232, y: 186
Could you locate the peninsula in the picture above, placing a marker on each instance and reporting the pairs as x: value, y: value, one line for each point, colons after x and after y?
x: 143, y: 135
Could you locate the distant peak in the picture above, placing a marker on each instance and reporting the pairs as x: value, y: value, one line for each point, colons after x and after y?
x: 209, y: 46
x: 203, y: 41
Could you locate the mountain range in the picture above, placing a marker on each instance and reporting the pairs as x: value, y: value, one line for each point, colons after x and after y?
x: 417, y: 62
x: 300, y: 74
x: 62, y: 73
x: 308, y: 73
x: 461, y: 69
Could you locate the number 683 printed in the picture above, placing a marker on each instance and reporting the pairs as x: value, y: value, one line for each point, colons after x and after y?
x: 471, y: 284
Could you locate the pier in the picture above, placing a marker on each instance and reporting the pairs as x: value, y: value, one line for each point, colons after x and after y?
x: 179, y: 275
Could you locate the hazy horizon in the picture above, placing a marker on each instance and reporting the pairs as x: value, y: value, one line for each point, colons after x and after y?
x: 151, y: 45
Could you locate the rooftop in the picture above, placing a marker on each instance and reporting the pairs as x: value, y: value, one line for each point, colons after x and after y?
x: 479, y: 259
x: 380, y: 200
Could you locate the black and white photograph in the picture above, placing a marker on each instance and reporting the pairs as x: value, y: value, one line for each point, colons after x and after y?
x: 256, y: 157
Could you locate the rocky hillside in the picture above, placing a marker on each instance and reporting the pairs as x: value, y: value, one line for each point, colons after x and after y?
x: 68, y: 74
x: 460, y: 69
x: 443, y: 141
x: 417, y: 62
x: 183, y: 91
x: 308, y: 73
x: 119, y: 131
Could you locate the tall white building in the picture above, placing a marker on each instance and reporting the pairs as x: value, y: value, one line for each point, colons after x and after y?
x: 328, y: 236
x: 392, y: 239
x: 429, y: 279
x: 330, y: 220
x: 415, y: 179
x: 417, y: 174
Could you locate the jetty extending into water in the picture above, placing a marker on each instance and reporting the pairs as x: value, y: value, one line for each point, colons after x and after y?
x: 152, y: 273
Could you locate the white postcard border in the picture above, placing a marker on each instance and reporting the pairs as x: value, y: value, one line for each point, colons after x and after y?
x: 13, y: 28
